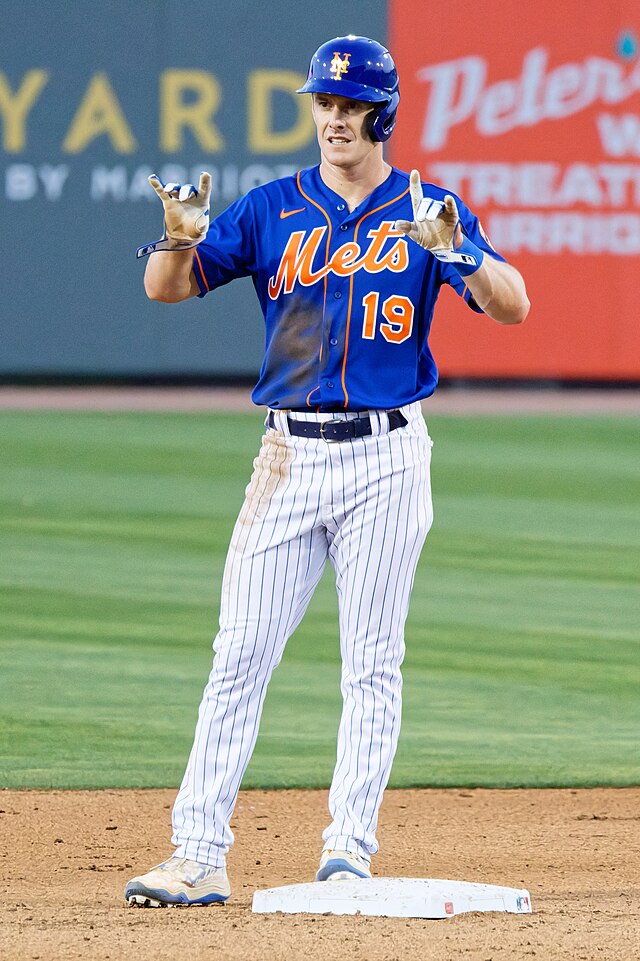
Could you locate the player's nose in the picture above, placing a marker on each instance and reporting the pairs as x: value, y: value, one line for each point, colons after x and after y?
x: 336, y: 116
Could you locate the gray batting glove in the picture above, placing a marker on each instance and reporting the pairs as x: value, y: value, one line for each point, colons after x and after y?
x: 186, y: 214
x: 435, y: 227
x: 434, y: 221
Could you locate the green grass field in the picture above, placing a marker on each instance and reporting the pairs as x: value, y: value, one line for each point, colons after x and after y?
x: 523, y: 663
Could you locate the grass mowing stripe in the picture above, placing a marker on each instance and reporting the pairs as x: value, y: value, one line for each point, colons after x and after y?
x: 522, y: 642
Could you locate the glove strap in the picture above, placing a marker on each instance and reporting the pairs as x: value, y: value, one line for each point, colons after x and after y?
x: 165, y: 243
x: 466, y: 259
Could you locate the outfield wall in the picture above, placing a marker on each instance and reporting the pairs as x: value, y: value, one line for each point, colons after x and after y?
x: 531, y: 114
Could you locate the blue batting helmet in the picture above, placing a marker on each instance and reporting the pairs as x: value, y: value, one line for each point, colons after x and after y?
x: 360, y: 69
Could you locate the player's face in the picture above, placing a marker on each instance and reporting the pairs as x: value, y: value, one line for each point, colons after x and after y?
x: 342, y: 130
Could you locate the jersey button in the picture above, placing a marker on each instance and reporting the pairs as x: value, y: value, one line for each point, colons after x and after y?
x: 329, y: 383
x: 337, y: 295
x: 333, y: 341
x: 341, y: 207
x: 344, y: 227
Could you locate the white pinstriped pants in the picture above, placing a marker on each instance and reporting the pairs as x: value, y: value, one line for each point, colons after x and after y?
x: 365, y: 504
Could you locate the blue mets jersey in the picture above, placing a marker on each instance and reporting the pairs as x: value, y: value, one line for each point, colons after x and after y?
x: 347, y: 299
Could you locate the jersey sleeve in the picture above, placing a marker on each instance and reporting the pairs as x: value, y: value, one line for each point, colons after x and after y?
x: 472, y: 228
x: 229, y: 249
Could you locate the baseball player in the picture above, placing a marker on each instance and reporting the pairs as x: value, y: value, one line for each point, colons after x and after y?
x: 347, y: 259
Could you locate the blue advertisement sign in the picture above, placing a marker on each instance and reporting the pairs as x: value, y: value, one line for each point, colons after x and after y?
x: 100, y: 97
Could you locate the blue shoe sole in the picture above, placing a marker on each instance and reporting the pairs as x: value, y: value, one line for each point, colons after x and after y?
x: 335, y: 866
x: 163, y: 897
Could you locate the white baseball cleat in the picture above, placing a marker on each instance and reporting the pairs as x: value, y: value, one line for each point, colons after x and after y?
x: 178, y: 881
x: 342, y: 866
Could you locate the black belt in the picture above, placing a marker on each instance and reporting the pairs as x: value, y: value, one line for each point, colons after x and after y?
x: 337, y: 430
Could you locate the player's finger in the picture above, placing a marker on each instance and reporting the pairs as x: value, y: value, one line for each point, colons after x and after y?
x: 429, y: 209
x: 204, y: 186
x: 186, y: 191
x: 415, y: 189
x: 404, y: 225
x: 157, y: 184
x: 450, y: 206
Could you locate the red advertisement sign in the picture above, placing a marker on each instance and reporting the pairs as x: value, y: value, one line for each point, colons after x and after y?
x: 531, y: 113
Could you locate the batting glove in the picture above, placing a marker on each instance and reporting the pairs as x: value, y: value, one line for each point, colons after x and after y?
x: 186, y: 214
x: 435, y: 226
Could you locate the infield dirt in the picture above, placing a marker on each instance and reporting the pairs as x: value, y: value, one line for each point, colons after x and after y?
x: 66, y: 857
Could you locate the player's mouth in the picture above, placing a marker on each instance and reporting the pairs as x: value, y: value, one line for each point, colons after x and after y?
x: 338, y: 140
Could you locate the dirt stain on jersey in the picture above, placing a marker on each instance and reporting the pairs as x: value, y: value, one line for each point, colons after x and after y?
x: 295, y: 347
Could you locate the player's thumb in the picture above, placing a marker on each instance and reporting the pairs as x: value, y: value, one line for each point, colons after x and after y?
x: 202, y: 223
x: 404, y: 225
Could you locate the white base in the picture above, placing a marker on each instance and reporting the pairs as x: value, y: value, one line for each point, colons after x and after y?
x: 392, y: 898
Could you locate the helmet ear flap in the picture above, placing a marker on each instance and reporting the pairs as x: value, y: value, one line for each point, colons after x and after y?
x: 372, y: 121
x: 382, y: 121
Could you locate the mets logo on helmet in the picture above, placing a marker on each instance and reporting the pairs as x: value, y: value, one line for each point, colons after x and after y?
x: 339, y: 64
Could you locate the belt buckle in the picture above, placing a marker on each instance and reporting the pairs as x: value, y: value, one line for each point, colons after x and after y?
x: 329, y: 440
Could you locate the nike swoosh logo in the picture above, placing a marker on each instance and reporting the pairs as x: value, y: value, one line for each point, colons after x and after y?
x: 289, y: 213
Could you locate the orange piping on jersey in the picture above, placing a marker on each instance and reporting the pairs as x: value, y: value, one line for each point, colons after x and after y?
x: 197, y: 256
x: 326, y: 215
x: 355, y: 240
x: 308, y: 401
x: 326, y: 261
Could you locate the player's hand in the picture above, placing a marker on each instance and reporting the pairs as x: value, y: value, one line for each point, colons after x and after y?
x: 186, y: 214
x: 434, y: 221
